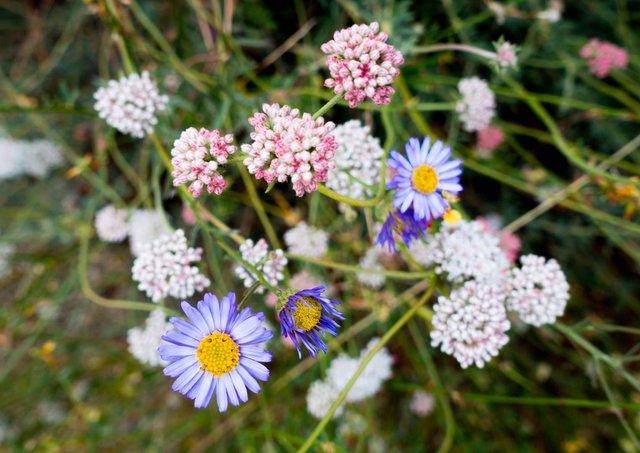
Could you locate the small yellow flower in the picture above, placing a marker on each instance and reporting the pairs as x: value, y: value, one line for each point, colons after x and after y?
x: 452, y: 216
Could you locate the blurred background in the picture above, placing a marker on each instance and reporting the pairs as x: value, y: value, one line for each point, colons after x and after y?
x: 69, y: 382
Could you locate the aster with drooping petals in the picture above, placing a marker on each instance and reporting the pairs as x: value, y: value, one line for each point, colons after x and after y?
x: 197, y: 156
x: 477, y: 105
x: 422, y: 176
x: 471, y: 323
x: 362, y: 65
x: 111, y: 224
x: 403, y: 225
x: 603, y: 56
x: 216, y: 352
x: 307, y: 316
x: 131, y: 104
x: 287, y: 146
x: 538, y: 290
x: 163, y: 268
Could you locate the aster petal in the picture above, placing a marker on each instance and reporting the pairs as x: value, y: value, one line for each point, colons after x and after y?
x: 413, y: 151
x: 450, y: 173
x: 424, y: 148
x: 193, y: 392
x: 179, y: 385
x: 257, y: 336
x: 176, y: 337
x: 175, y: 352
x: 203, y: 308
x: 438, y: 154
x: 214, y: 307
x: 420, y: 208
x: 449, y: 165
x: 256, y: 369
x: 247, y: 327
x: 398, y: 160
x: 249, y: 380
x: 231, y: 391
x: 186, y: 328
x: 196, y: 318
x: 255, y: 353
x: 450, y: 187
x: 180, y: 366
x: 226, y: 311
x: 238, y: 385
x: 221, y: 396
x: 244, y: 314
x: 205, y: 390
x: 192, y: 384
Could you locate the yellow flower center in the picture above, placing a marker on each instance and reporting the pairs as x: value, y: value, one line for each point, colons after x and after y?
x: 307, y: 315
x: 424, y: 179
x: 218, y: 354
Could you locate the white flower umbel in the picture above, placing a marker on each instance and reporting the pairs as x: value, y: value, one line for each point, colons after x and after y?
x: 538, y: 290
x: 422, y: 403
x: 358, y: 161
x: 323, y: 393
x: 111, y: 224
x: 145, y: 225
x: 478, y: 104
x: 463, y: 251
x: 371, y: 260
x: 164, y: 268
x: 131, y: 104
x: 270, y: 263
x: 306, y: 240
x: 145, y: 341
x: 22, y: 157
x: 471, y: 323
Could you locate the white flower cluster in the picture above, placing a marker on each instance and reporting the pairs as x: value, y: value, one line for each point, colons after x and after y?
x: 23, y: 157
x: 145, y: 341
x: 422, y: 403
x: 131, y: 104
x: 145, y: 225
x: 478, y: 104
x: 306, y: 240
x: 322, y: 394
x: 358, y: 161
x: 163, y: 268
x: 371, y: 260
x: 111, y: 224
x: 270, y: 264
x: 538, y: 290
x: 463, y: 251
x: 471, y: 323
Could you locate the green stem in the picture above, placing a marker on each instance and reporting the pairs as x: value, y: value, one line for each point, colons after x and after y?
x: 383, y: 341
x: 333, y: 101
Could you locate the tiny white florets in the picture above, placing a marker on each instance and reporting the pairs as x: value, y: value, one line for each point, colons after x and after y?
x: 538, y: 290
x: 422, y: 403
x: 306, y: 240
x: 358, y: 161
x: 371, y: 260
x: 24, y: 157
x: 197, y: 157
x: 145, y: 225
x: 163, y: 268
x: 145, y: 341
x: 130, y: 104
x: 463, y: 251
x: 270, y: 263
x: 478, y: 104
x: 471, y: 323
x: 111, y: 224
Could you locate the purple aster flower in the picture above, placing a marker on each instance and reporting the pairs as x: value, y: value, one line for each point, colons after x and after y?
x: 423, y: 177
x: 306, y: 315
x: 217, y: 352
x: 402, y: 224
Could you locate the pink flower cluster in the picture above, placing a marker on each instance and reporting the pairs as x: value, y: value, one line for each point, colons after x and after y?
x: 362, y: 64
x: 603, y: 56
x: 489, y: 138
x: 197, y: 155
x: 286, y: 145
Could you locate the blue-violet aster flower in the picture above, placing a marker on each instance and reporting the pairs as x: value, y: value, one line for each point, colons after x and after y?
x: 402, y: 224
x: 306, y: 315
x: 217, y: 352
x: 423, y: 177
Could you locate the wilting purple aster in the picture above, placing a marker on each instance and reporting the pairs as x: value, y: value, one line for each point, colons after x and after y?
x: 216, y: 352
x: 305, y: 315
x: 404, y: 225
x: 423, y: 177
